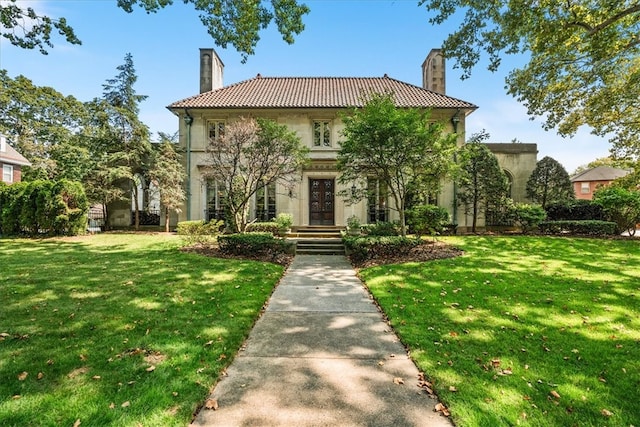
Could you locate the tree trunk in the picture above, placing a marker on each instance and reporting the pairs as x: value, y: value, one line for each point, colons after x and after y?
x: 166, y: 220
x: 135, y: 204
x: 475, y: 216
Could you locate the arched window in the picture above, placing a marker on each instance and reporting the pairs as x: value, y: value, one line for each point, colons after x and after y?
x: 510, y: 178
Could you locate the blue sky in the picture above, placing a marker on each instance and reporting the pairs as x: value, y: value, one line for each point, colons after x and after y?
x: 342, y: 38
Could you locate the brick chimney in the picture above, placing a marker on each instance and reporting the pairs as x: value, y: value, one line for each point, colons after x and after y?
x: 211, y: 69
x: 433, y: 72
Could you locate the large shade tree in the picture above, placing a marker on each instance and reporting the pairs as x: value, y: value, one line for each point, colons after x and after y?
x: 482, y: 184
x: 401, y: 147
x: 549, y: 183
x: 582, y: 59
x: 40, y: 122
x: 234, y: 22
x: 253, y: 154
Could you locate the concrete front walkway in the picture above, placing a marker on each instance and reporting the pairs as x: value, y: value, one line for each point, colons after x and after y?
x: 321, y: 355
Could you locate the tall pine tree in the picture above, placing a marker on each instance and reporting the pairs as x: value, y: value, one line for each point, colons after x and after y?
x: 122, y: 144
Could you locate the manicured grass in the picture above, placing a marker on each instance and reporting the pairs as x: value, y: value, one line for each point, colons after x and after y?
x: 119, y: 329
x: 530, y: 331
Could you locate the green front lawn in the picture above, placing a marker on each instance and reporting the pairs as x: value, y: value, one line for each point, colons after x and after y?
x: 529, y: 331
x: 118, y: 329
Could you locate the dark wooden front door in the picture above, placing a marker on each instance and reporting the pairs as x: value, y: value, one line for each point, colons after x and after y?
x: 321, y: 201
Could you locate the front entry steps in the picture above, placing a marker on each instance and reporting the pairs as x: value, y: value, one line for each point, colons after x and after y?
x: 318, y: 240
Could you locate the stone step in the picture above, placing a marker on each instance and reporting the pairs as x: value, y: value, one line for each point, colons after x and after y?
x: 316, y: 232
x: 319, y: 246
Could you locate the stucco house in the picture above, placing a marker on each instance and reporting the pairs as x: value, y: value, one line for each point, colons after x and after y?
x: 311, y: 106
x: 587, y: 182
x: 11, y: 162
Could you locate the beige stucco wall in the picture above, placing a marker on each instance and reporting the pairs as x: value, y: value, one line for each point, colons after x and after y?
x: 322, y: 160
x: 518, y: 161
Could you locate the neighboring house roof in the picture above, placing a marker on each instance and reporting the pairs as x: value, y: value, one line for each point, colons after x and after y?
x: 317, y: 92
x: 600, y: 173
x: 12, y: 157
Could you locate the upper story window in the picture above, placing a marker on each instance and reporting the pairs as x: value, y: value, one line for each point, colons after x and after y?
x: 215, y: 129
x: 585, y: 187
x: 322, y: 133
x: 7, y: 173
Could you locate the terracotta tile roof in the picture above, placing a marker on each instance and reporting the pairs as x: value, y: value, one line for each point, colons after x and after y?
x: 600, y: 173
x: 316, y: 92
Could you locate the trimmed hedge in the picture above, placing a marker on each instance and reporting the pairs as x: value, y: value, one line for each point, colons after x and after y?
x: 585, y: 228
x: 253, y: 244
x: 577, y: 210
x: 53, y: 208
x: 263, y: 227
x: 371, y: 247
x: 199, y: 231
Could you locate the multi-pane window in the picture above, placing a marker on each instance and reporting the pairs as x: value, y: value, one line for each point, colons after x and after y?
x: 215, y: 129
x: 7, y: 173
x: 321, y: 133
x: 266, y: 202
x: 585, y: 187
x: 216, y: 200
x: 377, y: 201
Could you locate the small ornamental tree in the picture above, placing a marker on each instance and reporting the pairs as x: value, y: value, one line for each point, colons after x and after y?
x: 401, y: 147
x: 529, y: 216
x: 251, y: 154
x: 620, y: 205
x: 549, y: 183
x: 427, y: 219
x: 482, y: 183
x: 168, y: 174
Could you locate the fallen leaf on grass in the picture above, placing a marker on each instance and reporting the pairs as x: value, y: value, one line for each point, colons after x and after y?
x: 173, y: 410
x: 78, y: 371
x: 442, y: 409
x: 112, y: 405
x: 211, y: 404
x: 554, y: 394
x: 23, y: 376
x: 77, y: 423
x: 151, y: 368
x: 398, y: 380
x: 452, y: 389
x: 40, y: 375
x: 126, y: 404
x: 606, y: 413
x: 96, y: 377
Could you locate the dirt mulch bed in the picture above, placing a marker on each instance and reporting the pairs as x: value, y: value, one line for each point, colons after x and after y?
x: 213, y: 251
x: 425, y: 252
